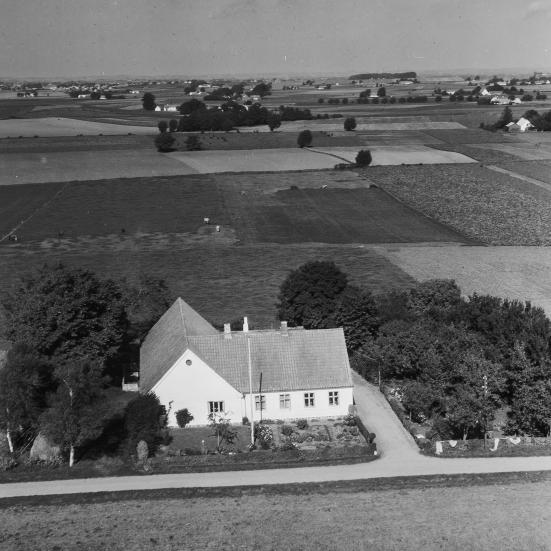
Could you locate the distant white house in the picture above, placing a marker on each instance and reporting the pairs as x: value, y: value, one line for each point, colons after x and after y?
x: 484, y: 92
x: 166, y: 107
x: 522, y: 125
x: 287, y: 373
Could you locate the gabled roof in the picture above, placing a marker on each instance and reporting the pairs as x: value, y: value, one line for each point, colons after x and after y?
x: 167, y: 340
x: 296, y: 359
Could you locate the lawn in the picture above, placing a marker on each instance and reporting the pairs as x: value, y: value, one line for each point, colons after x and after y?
x: 495, y: 208
x: 508, y: 514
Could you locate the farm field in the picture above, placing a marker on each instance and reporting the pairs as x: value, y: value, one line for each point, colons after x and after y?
x: 223, y: 282
x: 284, y: 159
x: 26, y: 168
x: 430, y: 518
x: 520, y: 273
x: 523, y: 150
x: 539, y: 170
x: 58, y: 126
x: 495, y: 208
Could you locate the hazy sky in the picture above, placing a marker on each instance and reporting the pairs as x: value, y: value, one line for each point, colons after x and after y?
x: 185, y: 37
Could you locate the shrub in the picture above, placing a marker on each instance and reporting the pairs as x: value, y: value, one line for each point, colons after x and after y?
x: 302, y: 424
x: 164, y: 142
x: 363, y: 158
x: 245, y: 421
x: 7, y: 463
x: 287, y: 447
x: 162, y: 126
x: 142, y: 451
x: 264, y: 435
x: 349, y: 420
x: 183, y: 417
x: 287, y: 430
x: 372, y: 437
x: 349, y: 123
x: 304, y: 138
x: 193, y: 143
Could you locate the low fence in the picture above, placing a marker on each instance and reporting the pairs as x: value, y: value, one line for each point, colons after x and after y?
x: 503, y: 446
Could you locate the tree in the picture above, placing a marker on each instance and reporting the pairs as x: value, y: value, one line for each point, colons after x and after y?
x: 304, y: 138
x: 356, y: 312
x: 309, y: 294
x: 173, y: 125
x: 66, y: 314
x: 531, y: 409
x: 162, y: 125
x: 505, y: 119
x: 223, y: 430
x: 363, y: 158
x: 25, y: 380
x: 145, y: 419
x: 148, y: 101
x: 78, y: 410
x: 381, y: 92
x: 191, y: 106
x: 274, y: 121
x: 435, y: 298
x: 164, y: 142
x: 349, y: 123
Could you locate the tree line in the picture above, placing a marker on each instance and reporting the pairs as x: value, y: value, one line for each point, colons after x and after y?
x: 454, y: 362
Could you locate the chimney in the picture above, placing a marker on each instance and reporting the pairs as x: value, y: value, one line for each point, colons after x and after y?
x: 284, y: 328
x: 227, y: 331
x: 245, y: 325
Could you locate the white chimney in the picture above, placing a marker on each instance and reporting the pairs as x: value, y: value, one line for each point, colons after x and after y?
x: 284, y: 328
x: 245, y: 325
x: 227, y: 331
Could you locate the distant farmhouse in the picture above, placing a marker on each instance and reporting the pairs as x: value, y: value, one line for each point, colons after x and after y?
x: 522, y: 125
x: 286, y: 373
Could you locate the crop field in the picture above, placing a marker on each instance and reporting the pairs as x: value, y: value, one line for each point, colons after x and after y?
x: 495, y: 208
x: 504, y: 517
x: 524, y: 151
x: 26, y: 168
x: 538, y: 170
x: 520, y: 273
x: 50, y: 126
x: 329, y: 126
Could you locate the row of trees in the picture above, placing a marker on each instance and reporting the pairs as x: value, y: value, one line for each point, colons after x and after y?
x: 454, y: 362
x: 75, y: 337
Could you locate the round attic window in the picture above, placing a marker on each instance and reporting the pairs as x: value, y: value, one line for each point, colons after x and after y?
x: 188, y: 362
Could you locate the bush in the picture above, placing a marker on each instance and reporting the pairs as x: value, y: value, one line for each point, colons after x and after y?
x: 304, y: 138
x: 164, y: 142
x: 363, y: 158
x: 349, y: 420
x: 302, y: 424
x: 245, y: 421
x: 7, y: 463
x: 264, y: 435
x: 193, y: 143
x: 287, y: 430
x: 349, y: 123
x: 183, y: 417
x: 162, y: 126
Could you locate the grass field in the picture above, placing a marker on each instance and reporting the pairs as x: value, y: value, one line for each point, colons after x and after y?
x: 26, y: 168
x: 503, y: 516
x: 60, y: 126
x: 540, y: 170
x: 483, y: 204
x: 520, y: 273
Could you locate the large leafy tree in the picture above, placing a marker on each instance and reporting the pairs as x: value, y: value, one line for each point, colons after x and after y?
x: 309, y: 295
x: 67, y: 314
x: 78, y: 411
x: 148, y: 101
x: 25, y: 380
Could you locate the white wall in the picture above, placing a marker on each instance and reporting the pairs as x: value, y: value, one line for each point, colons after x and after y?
x: 298, y: 410
x: 192, y: 387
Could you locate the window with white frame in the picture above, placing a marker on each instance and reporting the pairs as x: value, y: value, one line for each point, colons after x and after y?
x: 260, y: 402
x: 284, y: 401
x: 309, y: 399
x: 333, y: 397
x: 216, y: 407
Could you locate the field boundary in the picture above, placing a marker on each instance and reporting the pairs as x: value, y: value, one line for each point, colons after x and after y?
x: 518, y: 176
x: 329, y: 155
x: 34, y: 212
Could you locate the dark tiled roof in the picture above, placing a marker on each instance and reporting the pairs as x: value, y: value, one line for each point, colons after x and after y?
x: 166, y: 341
x: 296, y: 360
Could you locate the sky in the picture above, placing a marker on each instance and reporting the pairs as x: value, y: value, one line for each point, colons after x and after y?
x: 47, y: 38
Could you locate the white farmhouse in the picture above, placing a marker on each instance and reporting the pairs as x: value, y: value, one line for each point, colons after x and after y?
x: 287, y: 373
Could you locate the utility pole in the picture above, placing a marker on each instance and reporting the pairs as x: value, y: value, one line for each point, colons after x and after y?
x: 251, y: 388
